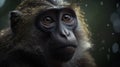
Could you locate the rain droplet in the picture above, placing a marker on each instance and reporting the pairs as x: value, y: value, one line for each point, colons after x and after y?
x: 2, y: 2
x: 86, y: 5
x: 113, y: 33
x: 108, y: 49
x: 103, y: 48
x: 108, y: 25
x: 116, y: 25
x: 115, y: 47
x: 101, y: 3
x: 117, y: 5
x: 108, y: 57
x: 103, y: 41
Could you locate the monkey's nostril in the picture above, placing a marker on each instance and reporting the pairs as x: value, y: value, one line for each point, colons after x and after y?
x: 67, y: 33
x: 63, y: 35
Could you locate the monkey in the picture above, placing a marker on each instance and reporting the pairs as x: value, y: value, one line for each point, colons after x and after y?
x: 46, y: 33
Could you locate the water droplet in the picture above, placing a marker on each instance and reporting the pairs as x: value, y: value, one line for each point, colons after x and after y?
x: 108, y: 49
x: 103, y: 41
x: 113, y: 33
x: 117, y: 5
x: 103, y: 48
x: 115, y: 48
x: 2, y: 2
x: 116, y: 25
x: 108, y: 25
x: 86, y: 5
x: 101, y: 3
x: 115, y: 18
x: 108, y: 57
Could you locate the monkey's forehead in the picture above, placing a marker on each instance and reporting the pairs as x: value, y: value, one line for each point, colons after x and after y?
x: 31, y: 7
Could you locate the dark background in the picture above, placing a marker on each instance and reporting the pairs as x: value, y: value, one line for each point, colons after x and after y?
x: 103, y: 19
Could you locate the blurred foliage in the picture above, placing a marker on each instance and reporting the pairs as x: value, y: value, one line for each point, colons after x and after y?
x: 4, y: 11
x: 97, y: 15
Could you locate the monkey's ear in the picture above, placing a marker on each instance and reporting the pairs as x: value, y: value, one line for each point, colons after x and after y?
x: 15, y: 19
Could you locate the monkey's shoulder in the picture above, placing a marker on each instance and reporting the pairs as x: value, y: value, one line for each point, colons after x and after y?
x: 5, y: 36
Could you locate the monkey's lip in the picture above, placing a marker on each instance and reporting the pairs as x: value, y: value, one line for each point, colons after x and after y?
x: 68, y: 48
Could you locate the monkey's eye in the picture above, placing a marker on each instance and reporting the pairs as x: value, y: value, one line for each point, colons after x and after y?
x: 67, y: 18
x: 47, y: 21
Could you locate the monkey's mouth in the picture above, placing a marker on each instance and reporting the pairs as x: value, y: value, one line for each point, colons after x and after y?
x: 64, y: 53
x: 66, y: 49
x: 70, y: 49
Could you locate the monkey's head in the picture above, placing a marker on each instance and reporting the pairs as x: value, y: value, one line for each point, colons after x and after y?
x: 56, y: 27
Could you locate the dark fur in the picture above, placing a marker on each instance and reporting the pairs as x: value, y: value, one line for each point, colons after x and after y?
x: 19, y: 43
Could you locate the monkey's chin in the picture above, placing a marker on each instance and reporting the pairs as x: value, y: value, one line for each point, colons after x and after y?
x: 64, y: 54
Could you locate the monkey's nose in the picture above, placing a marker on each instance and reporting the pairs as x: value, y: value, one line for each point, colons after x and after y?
x: 65, y: 33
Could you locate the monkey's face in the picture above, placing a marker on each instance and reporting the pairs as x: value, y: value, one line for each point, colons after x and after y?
x: 60, y: 24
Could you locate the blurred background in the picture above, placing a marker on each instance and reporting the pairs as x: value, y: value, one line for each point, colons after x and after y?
x: 103, y: 19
